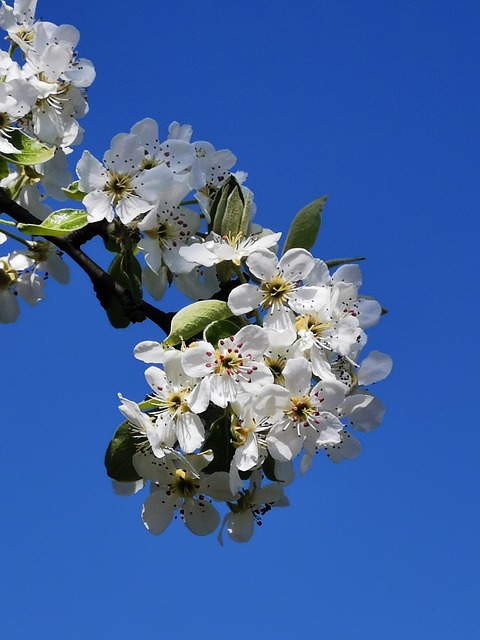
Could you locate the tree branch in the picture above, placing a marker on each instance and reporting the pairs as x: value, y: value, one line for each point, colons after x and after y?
x: 103, y: 284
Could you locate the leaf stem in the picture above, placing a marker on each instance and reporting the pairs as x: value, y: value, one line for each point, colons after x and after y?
x: 17, y: 238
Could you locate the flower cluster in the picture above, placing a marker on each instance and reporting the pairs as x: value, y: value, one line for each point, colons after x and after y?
x: 261, y: 372
x: 141, y: 185
x: 238, y: 405
x: 42, y: 96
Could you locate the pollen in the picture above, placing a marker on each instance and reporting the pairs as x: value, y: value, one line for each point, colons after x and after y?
x: 118, y: 186
x: 275, y: 291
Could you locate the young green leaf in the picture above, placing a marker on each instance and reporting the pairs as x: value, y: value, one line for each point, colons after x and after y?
x: 119, y: 454
x: 232, y: 219
x: 193, y: 319
x: 30, y: 151
x: 305, y: 226
x: 219, y: 329
x: 337, y: 262
x: 57, y: 224
x: 73, y: 193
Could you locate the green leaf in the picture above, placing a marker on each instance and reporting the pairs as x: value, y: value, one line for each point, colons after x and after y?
x: 337, y: 262
x: 219, y: 329
x: 305, y: 226
x: 73, y: 192
x: 59, y: 223
x: 30, y: 151
x: 119, y: 454
x: 3, y: 168
x: 219, y: 441
x: 193, y: 319
x: 219, y: 205
x: 232, y: 218
x: 126, y: 271
x: 268, y: 468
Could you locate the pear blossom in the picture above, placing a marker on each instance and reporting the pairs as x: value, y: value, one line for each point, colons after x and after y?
x: 235, y: 365
x: 17, y: 279
x: 186, y: 490
x: 118, y: 185
x: 298, y: 412
x: 18, y: 21
x: 174, y: 419
x: 280, y: 289
x: 252, y: 505
x: 216, y: 248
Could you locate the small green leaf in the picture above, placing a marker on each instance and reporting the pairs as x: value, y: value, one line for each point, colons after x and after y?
x: 305, y: 226
x: 126, y: 271
x: 59, y: 223
x: 232, y: 218
x: 193, y: 319
x: 73, y: 192
x: 268, y: 468
x: 337, y: 262
x: 220, y: 329
x: 3, y: 168
x: 119, y: 454
x: 30, y: 151
x: 219, y: 205
x: 219, y: 441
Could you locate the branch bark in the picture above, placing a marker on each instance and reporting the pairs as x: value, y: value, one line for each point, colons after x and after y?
x: 103, y: 284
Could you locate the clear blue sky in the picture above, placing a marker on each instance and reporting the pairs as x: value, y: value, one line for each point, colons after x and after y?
x: 376, y: 104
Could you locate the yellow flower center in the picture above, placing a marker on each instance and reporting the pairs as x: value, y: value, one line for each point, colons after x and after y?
x: 227, y: 362
x: 308, y: 322
x: 276, y: 366
x: 8, y: 275
x: 118, y: 186
x: 275, y: 291
x: 184, y: 485
x: 300, y: 409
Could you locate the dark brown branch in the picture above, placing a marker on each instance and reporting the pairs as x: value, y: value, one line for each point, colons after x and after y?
x: 104, y: 285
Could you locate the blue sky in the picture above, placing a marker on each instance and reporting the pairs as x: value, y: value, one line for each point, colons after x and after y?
x: 375, y: 104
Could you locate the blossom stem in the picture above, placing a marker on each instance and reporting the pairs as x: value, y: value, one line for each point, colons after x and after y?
x: 17, y: 238
x: 104, y: 285
x: 187, y: 202
x: 8, y: 223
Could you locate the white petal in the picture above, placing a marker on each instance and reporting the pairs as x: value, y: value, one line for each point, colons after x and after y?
x: 200, y: 517
x: 149, y: 352
x: 244, y: 298
x: 246, y: 457
x: 284, y: 444
x: 364, y: 411
x: 297, y: 374
x: 9, y: 308
x: 368, y: 313
x: 347, y: 449
x: 240, y: 526
x: 130, y: 207
x: 296, y: 264
x: 190, y: 432
x: 271, y: 399
x: 199, y: 398
x: 348, y: 273
x: 262, y: 264
x: 91, y: 172
x: 157, y: 511
x: 374, y: 368
x: 98, y: 206
x: 199, y: 361
x: 252, y: 340
x: 157, y: 380
x: 127, y: 488
x: 223, y: 389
